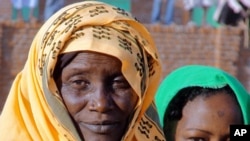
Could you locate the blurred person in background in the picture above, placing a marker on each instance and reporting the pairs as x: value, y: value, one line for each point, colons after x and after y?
x: 19, y: 5
x: 232, y: 12
x: 157, y: 10
x: 190, y: 5
x: 235, y: 13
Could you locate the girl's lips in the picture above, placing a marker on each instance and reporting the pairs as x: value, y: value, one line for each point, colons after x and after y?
x: 105, y: 127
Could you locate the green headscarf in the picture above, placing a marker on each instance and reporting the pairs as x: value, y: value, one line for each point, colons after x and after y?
x: 203, y: 76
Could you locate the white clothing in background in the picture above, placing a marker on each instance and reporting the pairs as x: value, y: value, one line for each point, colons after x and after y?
x: 18, y: 4
x: 189, y: 4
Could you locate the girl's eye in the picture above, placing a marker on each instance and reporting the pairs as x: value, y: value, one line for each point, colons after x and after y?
x: 196, y: 139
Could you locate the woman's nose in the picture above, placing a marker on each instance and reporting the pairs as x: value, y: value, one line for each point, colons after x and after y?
x: 101, y: 101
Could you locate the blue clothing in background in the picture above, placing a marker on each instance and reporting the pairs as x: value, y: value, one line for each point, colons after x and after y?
x: 156, y: 12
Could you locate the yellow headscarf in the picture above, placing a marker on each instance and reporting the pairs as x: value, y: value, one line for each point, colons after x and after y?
x: 34, y: 109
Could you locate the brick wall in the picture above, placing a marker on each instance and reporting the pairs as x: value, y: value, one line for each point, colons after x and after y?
x: 180, y: 45
x: 14, y: 46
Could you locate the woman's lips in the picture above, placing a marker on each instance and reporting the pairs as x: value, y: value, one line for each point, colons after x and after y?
x: 104, y: 127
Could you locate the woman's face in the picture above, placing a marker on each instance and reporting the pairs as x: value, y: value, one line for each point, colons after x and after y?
x: 208, y: 119
x: 97, y: 96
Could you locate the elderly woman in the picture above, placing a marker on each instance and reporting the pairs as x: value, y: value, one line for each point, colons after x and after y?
x: 91, y: 74
x: 199, y: 103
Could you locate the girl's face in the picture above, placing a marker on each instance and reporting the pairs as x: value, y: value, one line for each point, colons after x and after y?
x: 208, y: 119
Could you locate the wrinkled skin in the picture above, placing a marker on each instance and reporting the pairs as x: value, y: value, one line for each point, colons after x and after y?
x: 97, y: 96
x: 208, y: 119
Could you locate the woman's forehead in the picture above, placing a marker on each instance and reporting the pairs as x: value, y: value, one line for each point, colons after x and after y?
x: 214, y: 106
x: 96, y: 60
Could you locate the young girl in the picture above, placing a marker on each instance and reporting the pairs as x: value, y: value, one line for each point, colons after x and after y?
x: 200, y: 103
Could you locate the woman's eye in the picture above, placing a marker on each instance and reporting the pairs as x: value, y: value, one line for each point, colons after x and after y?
x: 120, y: 83
x: 79, y: 84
